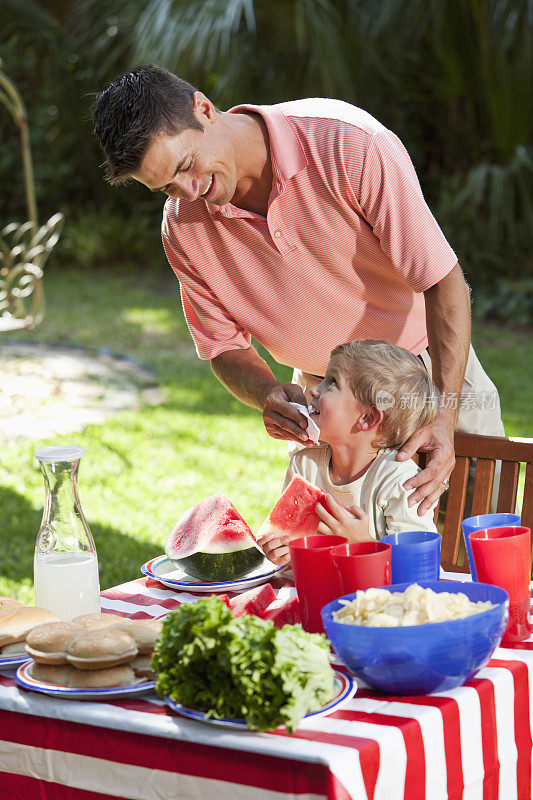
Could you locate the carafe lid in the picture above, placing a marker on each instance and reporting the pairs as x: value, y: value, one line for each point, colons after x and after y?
x: 59, y: 453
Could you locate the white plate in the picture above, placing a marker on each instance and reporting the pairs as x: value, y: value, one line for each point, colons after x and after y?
x: 24, y: 679
x: 10, y: 662
x: 345, y: 687
x: 164, y: 571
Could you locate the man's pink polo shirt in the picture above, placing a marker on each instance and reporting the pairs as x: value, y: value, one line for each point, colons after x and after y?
x: 345, y: 252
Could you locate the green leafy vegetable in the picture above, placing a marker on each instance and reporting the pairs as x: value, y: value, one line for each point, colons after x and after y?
x: 242, y: 668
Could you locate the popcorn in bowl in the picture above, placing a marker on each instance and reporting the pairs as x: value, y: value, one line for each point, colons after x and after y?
x: 380, y: 608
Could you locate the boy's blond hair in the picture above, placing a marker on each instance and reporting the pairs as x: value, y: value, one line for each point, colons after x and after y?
x: 384, y: 375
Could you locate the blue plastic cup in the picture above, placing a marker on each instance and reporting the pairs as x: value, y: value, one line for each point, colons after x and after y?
x: 479, y: 523
x: 415, y: 556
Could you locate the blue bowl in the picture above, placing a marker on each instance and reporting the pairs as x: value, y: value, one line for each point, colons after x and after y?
x: 419, y: 659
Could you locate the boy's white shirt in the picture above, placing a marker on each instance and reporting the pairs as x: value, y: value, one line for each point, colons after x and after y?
x: 379, y: 492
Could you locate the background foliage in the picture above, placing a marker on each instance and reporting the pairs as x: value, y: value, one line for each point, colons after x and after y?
x: 452, y: 77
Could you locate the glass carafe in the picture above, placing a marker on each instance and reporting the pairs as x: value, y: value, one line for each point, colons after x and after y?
x: 65, y: 566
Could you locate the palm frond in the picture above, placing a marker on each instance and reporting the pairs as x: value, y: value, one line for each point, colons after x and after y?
x: 28, y: 14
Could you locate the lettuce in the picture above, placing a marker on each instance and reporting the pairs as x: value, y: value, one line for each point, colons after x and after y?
x: 242, y: 668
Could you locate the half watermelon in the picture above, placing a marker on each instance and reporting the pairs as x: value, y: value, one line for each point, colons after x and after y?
x: 294, y: 514
x: 212, y: 542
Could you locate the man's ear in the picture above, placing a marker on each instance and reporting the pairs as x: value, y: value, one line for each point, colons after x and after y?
x: 203, y: 108
x: 371, y: 419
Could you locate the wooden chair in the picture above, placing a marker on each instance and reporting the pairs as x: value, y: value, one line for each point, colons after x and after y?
x: 486, y: 450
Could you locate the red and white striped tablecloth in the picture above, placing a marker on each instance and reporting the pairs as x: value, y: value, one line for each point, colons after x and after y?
x: 471, y: 743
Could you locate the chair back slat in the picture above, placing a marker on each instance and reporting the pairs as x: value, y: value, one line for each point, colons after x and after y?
x: 508, y: 487
x: 527, y: 505
x: 451, y: 537
x: 495, y: 447
x: 486, y: 450
x: 483, y: 486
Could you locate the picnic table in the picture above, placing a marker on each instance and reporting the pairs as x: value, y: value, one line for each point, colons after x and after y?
x: 470, y: 743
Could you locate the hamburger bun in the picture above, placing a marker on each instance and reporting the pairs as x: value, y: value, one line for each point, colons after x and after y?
x: 122, y: 675
x: 96, y: 621
x: 8, y: 602
x: 48, y: 643
x: 12, y: 650
x: 16, y: 623
x: 96, y: 649
x: 142, y: 667
x: 143, y: 631
x: 48, y: 673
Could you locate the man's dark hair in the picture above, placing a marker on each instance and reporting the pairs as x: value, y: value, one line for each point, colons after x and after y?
x: 133, y: 109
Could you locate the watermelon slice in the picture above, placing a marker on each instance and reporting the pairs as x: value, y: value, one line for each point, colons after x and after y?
x: 212, y: 542
x: 254, y: 601
x: 224, y: 598
x: 281, y: 614
x: 294, y: 514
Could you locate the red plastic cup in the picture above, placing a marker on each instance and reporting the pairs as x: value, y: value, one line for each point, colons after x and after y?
x: 362, y: 565
x: 316, y: 577
x: 502, y: 556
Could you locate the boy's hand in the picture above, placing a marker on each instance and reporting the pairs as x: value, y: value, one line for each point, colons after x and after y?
x: 351, y: 522
x: 275, y: 548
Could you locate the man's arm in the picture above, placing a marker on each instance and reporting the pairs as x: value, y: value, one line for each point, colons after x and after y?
x: 250, y: 379
x: 448, y: 326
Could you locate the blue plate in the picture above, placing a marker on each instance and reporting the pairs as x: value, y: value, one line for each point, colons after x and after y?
x: 164, y: 571
x: 24, y: 679
x: 345, y: 688
x: 13, y: 661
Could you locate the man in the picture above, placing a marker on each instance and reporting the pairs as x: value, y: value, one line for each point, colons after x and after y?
x: 303, y: 225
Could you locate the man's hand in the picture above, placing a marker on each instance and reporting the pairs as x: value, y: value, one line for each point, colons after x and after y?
x: 251, y: 380
x: 351, y: 522
x: 436, y: 439
x: 282, y: 420
x: 448, y: 325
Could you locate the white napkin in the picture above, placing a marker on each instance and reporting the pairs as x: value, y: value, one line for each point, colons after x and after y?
x: 312, y: 430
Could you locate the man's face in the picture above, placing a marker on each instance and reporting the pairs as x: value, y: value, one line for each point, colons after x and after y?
x: 193, y: 163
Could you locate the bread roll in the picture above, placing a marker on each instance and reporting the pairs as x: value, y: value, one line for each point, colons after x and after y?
x: 16, y: 623
x: 47, y: 673
x: 48, y: 643
x: 143, y: 631
x: 12, y: 650
x: 8, y: 602
x: 102, y: 678
x: 142, y: 667
x: 96, y: 649
x: 97, y: 621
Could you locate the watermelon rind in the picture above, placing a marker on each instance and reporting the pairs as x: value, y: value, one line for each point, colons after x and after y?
x: 220, y: 567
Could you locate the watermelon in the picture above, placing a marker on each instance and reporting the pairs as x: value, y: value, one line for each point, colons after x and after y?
x: 254, y: 601
x: 224, y: 598
x: 294, y: 514
x: 212, y: 542
x: 281, y: 614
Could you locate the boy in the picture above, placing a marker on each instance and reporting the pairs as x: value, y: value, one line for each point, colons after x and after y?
x: 374, y: 396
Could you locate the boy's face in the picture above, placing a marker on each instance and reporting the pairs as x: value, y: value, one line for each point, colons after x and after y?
x: 335, y: 408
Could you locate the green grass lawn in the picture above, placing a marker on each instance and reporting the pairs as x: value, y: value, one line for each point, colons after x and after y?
x: 142, y: 469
